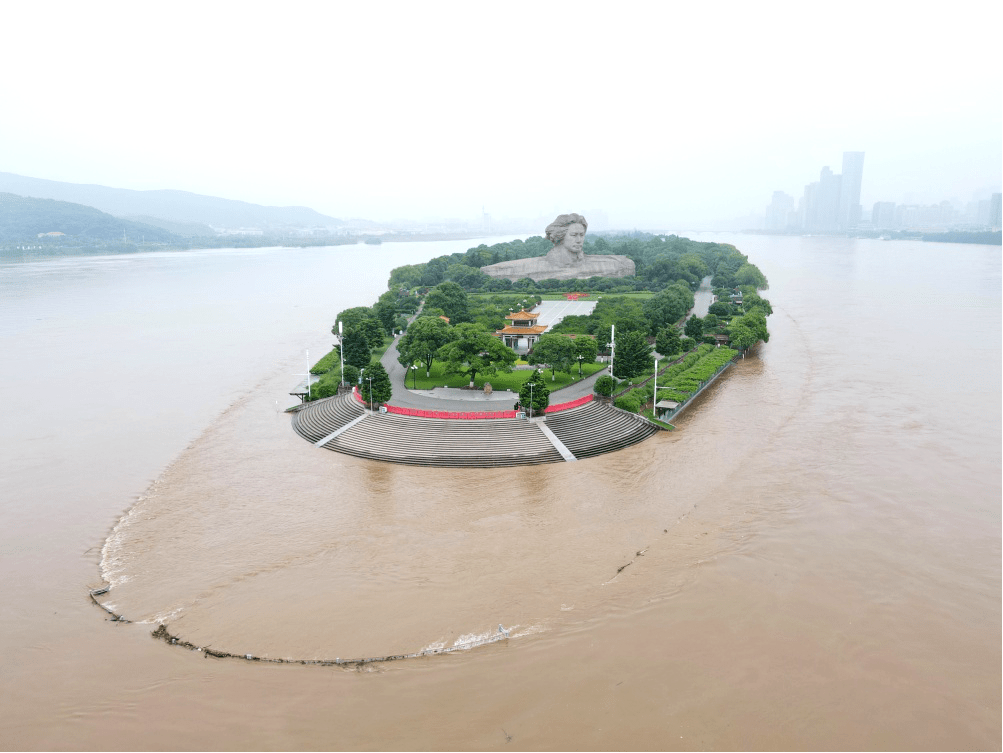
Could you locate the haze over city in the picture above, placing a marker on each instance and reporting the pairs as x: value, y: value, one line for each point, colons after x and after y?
x: 650, y: 116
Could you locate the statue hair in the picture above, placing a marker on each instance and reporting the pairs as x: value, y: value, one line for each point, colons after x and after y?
x: 557, y: 229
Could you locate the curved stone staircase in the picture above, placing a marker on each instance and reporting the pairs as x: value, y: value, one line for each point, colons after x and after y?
x: 589, y: 430
x: 597, y: 428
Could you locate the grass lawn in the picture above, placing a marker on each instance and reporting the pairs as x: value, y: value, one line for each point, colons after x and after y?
x: 512, y: 380
x: 378, y: 352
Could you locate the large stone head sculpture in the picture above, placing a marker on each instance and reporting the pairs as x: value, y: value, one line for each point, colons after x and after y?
x: 557, y: 233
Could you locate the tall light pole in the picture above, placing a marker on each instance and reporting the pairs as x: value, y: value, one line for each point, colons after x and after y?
x: 308, y: 375
x: 654, y: 395
x: 341, y: 353
x: 370, y: 392
x: 531, y: 385
x: 580, y: 359
x: 414, y: 376
x: 612, y: 347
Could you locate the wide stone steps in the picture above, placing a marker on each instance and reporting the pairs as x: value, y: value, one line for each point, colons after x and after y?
x: 592, y: 429
x: 596, y: 428
x: 437, y: 442
x: 319, y: 419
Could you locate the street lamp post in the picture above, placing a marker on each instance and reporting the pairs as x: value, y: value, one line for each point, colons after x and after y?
x: 370, y: 392
x: 531, y: 385
x: 580, y: 359
x: 612, y: 347
x: 414, y: 376
x: 654, y: 395
x: 341, y: 353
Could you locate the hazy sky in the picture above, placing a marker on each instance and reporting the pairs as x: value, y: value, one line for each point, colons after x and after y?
x: 656, y: 113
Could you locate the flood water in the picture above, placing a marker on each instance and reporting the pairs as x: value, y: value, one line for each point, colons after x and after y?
x: 812, y: 558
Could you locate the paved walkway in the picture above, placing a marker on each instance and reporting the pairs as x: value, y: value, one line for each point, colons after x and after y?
x: 456, y: 399
x: 551, y: 312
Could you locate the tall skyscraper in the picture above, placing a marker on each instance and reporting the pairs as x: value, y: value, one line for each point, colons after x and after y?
x: 830, y: 205
x: 849, y: 190
x: 778, y: 213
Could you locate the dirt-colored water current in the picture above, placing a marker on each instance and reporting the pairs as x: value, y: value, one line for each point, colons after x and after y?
x: 813, y: 557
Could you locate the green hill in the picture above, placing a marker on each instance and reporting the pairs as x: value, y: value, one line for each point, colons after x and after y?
x: 173, y: 206
x: 24, y: 218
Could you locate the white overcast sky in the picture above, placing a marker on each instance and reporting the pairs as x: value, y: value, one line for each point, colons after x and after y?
x: 652, y: 112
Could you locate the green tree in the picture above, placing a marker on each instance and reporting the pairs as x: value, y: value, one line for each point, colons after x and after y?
x: 376, y: 388
x: 667, y: 342
x: 752, y: 300
x: 721, y: 309
x: 694, y: 264
x: 351, y: 374
x: 604, y: 385
x: 749, y: 274
x: 694, y: 327
x: 351, y: 317
x: 585, y: 351
x: 556, y: 351
x: 668, y: 307
x: 424, y: 338
x: 633, y: 356
x: 534, y: 392
x: 372, y: 330
x: 408, y: 276
x: 355, y: 348
x: 474, y: 351
x: 467, y: 277
x: 385, y: 311
x: 452, y: 299
x: 745, y: 331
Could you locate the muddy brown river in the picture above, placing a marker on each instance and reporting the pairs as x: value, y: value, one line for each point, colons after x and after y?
x: 811, y: 561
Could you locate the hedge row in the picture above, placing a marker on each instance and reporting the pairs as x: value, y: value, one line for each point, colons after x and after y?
x: 680, y: 380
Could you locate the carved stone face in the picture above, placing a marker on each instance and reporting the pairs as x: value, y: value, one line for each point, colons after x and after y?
x: 574, y: 239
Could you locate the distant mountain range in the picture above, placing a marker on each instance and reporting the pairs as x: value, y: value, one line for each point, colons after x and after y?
x: 180, y: 212
x: 24, y: 218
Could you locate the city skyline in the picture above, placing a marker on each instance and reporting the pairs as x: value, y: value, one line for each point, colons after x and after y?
x: 660, y: 117
x: 832, y: 205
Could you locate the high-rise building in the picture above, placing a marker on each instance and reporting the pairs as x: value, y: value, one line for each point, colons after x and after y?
x: 995, y: 211
x: 779, y: 210
x: 820, y: 205
x: 883, y: 215
x: 830, y: 205
x: 849, y: 190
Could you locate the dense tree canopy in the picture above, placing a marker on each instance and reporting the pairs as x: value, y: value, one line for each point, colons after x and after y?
x: 452, y: 299
x: 355, y: 348
x: 633, y: 355
x: 555, y: 351
x: 424, y: 338
x: 748, y: 329
x: 473, y: 351
x: 668, y: 342
x: 694, y: 327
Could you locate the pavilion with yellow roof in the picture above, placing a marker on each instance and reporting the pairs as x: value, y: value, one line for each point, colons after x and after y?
x: 522, y: 326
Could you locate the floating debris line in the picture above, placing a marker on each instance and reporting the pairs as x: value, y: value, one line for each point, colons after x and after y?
x: 94, y: 593
x: 624, y: 567
x: 162, y: 633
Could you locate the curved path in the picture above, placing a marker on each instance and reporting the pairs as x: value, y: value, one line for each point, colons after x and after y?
x: 343, y: 425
